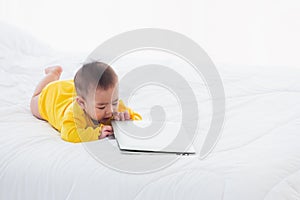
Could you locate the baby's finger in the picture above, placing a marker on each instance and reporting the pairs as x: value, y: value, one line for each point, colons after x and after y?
x: 122, y: 117
x: 107, y: 128
x: 103, y: 135
x: 116, y: 116
x: 109, y: 133
x: 126, y: 115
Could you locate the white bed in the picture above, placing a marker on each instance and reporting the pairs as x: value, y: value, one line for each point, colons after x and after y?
x: 257, y: 157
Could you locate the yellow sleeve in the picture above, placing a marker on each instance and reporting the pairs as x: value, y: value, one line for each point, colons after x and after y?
x: 133, y: 115
x: 71, y: 133
x: 75, y: 129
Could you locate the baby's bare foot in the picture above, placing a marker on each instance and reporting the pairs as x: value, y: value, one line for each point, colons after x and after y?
x: 55, y: 70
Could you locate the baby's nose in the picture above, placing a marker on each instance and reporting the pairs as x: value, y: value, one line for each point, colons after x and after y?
x: 109, y: 111
x: 108, y: 115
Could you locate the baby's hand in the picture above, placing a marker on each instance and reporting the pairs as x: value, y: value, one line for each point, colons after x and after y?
x: 106, y: 130
x: 121, y: 116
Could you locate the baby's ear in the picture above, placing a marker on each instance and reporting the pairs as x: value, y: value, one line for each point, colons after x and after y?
x: 80, y: 102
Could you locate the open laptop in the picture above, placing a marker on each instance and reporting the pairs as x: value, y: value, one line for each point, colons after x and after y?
x: 160, y: 137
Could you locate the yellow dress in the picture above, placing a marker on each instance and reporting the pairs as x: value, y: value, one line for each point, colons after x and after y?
x: 57, y: 105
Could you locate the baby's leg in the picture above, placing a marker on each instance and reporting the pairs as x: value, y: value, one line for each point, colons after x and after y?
x: 52, y: 74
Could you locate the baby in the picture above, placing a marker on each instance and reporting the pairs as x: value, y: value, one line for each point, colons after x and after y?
x: 81, y: 109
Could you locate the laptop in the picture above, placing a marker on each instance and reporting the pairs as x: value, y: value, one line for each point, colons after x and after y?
x: 158, y: 137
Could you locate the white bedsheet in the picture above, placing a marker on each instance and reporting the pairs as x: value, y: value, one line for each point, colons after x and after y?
x: 257, y: 157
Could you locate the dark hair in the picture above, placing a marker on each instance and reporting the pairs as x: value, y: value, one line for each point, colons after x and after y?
x: 92, y: 76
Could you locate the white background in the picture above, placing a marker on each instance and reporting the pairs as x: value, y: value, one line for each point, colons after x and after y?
x: 251, y: 32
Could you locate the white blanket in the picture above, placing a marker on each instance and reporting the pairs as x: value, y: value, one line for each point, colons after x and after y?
x: 257, y: 157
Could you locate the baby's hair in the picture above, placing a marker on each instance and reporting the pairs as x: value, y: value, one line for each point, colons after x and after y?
x: 92, y: 76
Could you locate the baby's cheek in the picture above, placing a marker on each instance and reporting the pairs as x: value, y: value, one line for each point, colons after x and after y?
x: 99, y: 114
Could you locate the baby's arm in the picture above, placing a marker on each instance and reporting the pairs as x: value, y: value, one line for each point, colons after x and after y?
x: 72, y: 133
x: 75, y: 128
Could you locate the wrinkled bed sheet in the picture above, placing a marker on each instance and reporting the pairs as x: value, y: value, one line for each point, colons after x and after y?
x: 257, y: 156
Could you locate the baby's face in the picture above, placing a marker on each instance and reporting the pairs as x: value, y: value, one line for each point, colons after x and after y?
x: 101, y: 104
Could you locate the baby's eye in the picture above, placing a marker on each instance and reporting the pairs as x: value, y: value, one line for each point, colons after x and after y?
x: 101, y: 108
x: 115, y: 104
